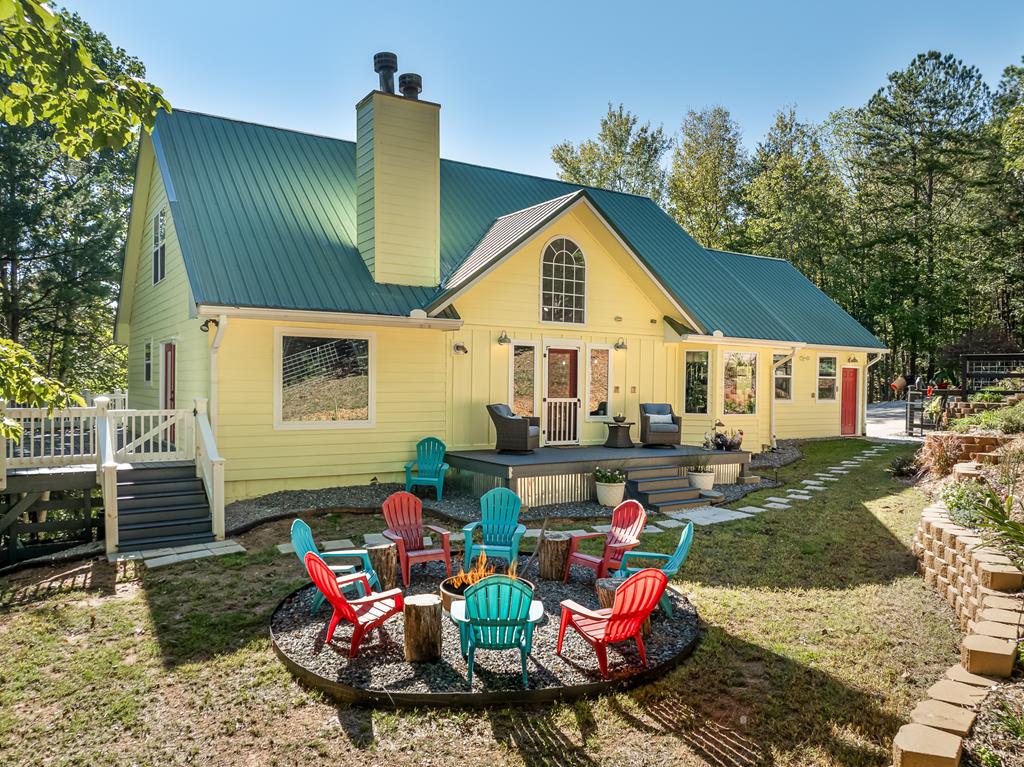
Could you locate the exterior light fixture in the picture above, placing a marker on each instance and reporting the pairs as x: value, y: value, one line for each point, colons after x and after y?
x: 620, y: 345
x: 205, y: 327
x: 460, y: 348
x: 503, y: 339
x: 852, y: 358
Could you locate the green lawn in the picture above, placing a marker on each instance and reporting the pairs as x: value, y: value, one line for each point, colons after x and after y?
x: 820, y: 638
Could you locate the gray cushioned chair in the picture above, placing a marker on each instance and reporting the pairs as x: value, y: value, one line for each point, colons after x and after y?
x: 516, y: 434
x: 659, y: 433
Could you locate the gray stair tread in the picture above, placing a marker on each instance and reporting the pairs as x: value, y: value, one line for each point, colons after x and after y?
x: 202, y: 515
x: 161, y: 541
x: 163, y: 494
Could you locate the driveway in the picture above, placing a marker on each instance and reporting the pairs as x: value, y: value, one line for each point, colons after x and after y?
x: 887, y: 421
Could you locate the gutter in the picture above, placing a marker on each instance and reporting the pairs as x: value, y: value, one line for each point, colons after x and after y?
x: 417, y: 318
x: 771, y: 402
x: 222, y: 326
x: 716, y: 338
x: 864, y: 392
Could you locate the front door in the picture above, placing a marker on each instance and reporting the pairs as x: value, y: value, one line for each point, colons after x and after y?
x: 561, y: 396
x: 848, y: 407
x: 169, y: 376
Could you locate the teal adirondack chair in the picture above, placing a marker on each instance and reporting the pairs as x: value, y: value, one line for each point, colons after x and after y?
x: 429, y: 464
x: 498, y: 614
x: 672, y: 564
x: 499, y: 526
x: 302, y: 542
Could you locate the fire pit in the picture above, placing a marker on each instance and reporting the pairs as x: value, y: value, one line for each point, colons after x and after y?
x: 452, y: 589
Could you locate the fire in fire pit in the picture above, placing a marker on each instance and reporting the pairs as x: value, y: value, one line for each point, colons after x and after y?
x: 453, y: 588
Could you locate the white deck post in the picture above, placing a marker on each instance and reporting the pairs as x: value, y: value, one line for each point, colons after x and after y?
x: 209, y: 466
x: 106, y: 472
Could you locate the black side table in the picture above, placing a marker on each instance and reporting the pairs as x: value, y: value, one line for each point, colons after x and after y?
x: 618, y: 434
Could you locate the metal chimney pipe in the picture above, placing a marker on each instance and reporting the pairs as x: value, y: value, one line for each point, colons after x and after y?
x: 410, y: 84
x: 385, y: 64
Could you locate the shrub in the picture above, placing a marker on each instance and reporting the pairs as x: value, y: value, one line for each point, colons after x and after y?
x: 965, y: 501
x: 1009, y: 420
x: 939, y: 454
x: 995, y: 518
x: 985, y: 396
x: 902, y: 466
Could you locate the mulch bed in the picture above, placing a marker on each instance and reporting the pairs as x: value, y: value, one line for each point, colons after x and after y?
x: 990, y: 737
x: 380, y: 666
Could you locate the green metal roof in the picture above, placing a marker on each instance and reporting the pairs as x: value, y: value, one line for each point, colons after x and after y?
x: 266, y: 217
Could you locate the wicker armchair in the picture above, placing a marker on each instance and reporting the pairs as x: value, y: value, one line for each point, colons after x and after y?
x: 516, y: 434
x: 659, y: 433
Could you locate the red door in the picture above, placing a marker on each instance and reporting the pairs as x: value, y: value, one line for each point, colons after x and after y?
x: 849, y: 402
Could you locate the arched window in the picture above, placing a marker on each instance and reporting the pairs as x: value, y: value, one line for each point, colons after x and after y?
x: 563, y: 286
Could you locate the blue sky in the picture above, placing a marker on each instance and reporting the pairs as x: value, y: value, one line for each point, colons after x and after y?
x: 516, y: 78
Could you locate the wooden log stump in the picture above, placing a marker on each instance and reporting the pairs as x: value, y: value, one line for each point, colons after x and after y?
x: 384, y: 558
x: 605, y: 588
x: 422, y: 628
x: 554, y: 553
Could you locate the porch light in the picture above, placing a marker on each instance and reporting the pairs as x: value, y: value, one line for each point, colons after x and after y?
x: 503, y: 339
x: 620, y: 345
x: 460, y: 348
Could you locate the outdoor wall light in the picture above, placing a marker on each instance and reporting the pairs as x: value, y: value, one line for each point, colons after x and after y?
x: 205, y: 327
x: 460, y: 348
x: 503, y: 339
x: 620, y: 345
x: 852, y: 358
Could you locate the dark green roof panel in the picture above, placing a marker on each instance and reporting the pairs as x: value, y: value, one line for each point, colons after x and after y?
x: 267, y: 217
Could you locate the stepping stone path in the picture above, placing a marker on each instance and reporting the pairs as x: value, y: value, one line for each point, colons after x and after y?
x: 712, y: 515
x: 175, y: 554
x: 343, y: 543
x: 775, y: 505
x: 752, y: 509
x: 668, y: 524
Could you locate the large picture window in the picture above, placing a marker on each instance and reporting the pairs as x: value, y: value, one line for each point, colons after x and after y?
x: 783, y: 377
x: 599, y: 382
x: 740, y: 383
x: 524, y: 366
x: 695, y: 386
x: 563, y: 287
x: 826, y: 378
x: 325, y: 380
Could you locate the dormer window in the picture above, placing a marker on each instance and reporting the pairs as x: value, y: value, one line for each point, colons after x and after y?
x: 563, y: 288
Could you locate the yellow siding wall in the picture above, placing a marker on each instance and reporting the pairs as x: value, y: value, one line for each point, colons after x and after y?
x: 410, y: 404
x: 160, y: 313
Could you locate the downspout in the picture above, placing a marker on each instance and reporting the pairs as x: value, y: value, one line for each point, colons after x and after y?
x: 771, y: 402
x: 222, y: 326
x: 864, y: 393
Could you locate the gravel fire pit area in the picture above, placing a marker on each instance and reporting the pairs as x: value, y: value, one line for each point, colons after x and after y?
x: 379, y: 675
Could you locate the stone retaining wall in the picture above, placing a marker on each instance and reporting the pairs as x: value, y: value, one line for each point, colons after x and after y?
x: 971, y: 447
x: 959, y: 409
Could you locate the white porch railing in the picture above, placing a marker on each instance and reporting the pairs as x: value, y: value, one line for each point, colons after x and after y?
x: 210, y: 467
x: 147, y: 436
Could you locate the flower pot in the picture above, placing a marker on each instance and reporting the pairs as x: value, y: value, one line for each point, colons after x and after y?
x: 619, y: 419
x: 702, y: 480
x: 610, y: 493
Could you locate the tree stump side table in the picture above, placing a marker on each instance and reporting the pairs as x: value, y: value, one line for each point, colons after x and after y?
x: 554, y: 553
x: 384, y: 558
x: 422, y: 614
x: 605, y: 588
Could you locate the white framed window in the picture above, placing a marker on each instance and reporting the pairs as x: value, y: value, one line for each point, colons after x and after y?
x: 696, y: 366
x: 827, y: 379
x: 599, y: 382
x: 159, y: 246
x: 522, y: 378
x: 783, y: 384
x: 147, y: 361
x: 739, y: 383
x: 324, y: 379
x: 563, y: 283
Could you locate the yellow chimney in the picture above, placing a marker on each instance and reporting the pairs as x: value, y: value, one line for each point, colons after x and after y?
x: 398, y: 185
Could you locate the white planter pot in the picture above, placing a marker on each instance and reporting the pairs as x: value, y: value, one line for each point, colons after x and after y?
x: 610, y: 493
x: 702, y: 480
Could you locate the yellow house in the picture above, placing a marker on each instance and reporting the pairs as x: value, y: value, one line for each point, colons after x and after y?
x: 337, y: 301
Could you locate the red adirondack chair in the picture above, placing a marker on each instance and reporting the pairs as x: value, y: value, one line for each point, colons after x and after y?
x: 364, y: 614
x: 634, y: 601
x: 404, y: 514
x: 628, y: 519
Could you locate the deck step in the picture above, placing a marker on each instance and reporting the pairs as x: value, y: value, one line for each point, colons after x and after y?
x: 170, y: 470
x: 678, y: 505
x: 174, y: 484
x: 163, y: 541
x: 652, y: 472
x: 172, y: 499
x: 670, y: 494
x: 660, y: 483
x: 161, y: 514
x: 199, y: 523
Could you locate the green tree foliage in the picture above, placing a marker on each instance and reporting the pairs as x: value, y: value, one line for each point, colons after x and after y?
x: 62, y: 222
x: 626, y: 156
x: 50, y: 74
x: 22, y: 382
x: 705, y: 184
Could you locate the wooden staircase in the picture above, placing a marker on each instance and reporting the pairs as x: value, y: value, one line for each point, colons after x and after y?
x: 162, y: 505
x: 665, y: 488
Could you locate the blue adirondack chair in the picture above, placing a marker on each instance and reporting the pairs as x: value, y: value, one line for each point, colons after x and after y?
x: 499, y: 526
x: 429, y: 464
x: 498, y: 614
x: 302, y: 542
x: 672, y: 562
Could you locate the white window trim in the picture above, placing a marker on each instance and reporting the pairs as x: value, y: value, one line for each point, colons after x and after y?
x: 757, y: 397
x: 818, y: 376
x: 537, y: 360
x: 711, y: 366
x: 611, y: 386
x: 783, y: 400
x: 149, y: 381
x: 540, y: 287
x: 369, y: 423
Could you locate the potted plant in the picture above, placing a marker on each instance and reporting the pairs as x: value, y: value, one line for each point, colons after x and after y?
x: 611, y: 486
x: 701, y: 475
x: 619, y: 418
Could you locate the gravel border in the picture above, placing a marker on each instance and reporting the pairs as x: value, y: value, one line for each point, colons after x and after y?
x: 381, y: 672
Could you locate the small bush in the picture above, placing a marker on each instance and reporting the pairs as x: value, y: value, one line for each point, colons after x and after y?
x: 985, y: 396
x: 939, y: 454
x: 965, y: 501
x: 902, y: 466
x: 1009, y: 420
